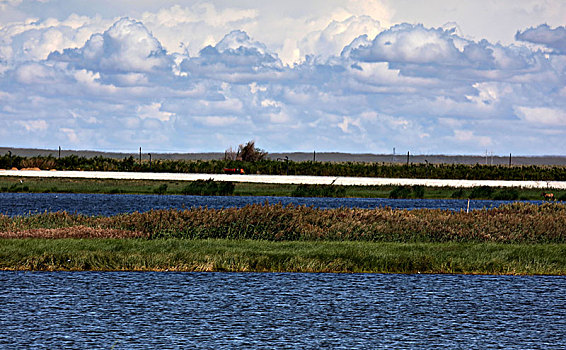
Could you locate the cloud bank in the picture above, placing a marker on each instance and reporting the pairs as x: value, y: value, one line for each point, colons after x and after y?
x: 352, y: 84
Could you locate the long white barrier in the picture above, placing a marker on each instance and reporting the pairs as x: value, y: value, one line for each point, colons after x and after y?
x: 283, y: 179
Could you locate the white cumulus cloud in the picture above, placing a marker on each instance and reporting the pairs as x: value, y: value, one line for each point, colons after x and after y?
x: 127, y: 46
x: 199, y: 77
x: 543, y: 34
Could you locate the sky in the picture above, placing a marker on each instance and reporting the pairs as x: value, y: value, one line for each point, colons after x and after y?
x: 426, y: 76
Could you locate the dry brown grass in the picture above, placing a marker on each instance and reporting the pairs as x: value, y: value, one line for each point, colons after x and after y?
x: 514, y: 223
x: 78, y: 231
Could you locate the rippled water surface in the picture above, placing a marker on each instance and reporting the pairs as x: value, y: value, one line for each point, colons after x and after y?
x: 108, y: 204
x: 128, y: 310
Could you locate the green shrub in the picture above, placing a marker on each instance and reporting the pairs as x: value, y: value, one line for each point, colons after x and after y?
x: 508, y: 194
x: 400, y: 192
x: 459, y: 193
x: 319, y: 191
x: 209, y: 188
x: 418, y: 191
x: 407, y: 192
x: 483, y: 192
x: 161, y: 189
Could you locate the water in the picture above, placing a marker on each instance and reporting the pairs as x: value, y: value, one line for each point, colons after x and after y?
x: 108, y: 204
x: 129, y: 310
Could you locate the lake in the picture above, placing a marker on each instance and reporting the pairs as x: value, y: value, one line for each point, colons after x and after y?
x: 112, y: 204
x: 166, y: 310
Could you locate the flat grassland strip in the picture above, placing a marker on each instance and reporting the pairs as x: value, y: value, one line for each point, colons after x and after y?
x: 512, y: 239
x: 294, y: 256
x: 115, y: 186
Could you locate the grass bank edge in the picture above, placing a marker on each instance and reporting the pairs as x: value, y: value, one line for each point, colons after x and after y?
x: 224, y: 255
x: 112, y: 186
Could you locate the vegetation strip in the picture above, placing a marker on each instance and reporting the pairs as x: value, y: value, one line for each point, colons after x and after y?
x: 208, y: 187
x: 512, y: 223
x: 264, y: 256
x: 512, y: 239
x: 257, y: 164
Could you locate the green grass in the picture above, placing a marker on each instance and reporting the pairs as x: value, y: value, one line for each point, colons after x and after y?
x: 512, y: 239
x: 294, y: 256
x: 62, y: 185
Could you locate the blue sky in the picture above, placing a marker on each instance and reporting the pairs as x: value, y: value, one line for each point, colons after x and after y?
x: 430, y: 76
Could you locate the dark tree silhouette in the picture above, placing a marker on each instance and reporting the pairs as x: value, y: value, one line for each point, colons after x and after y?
x: 250, y: 153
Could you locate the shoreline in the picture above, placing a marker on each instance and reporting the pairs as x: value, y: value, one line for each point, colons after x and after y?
x: 148, y: 187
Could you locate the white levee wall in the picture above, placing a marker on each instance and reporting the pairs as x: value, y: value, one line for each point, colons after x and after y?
x: 284, y: 179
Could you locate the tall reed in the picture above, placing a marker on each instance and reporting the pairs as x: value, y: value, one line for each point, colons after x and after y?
x: 512, y: 223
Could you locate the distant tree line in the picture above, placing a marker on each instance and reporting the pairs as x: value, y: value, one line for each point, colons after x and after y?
x: 273, y: 167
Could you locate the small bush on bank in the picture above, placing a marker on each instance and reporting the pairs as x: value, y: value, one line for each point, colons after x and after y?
x: 507, y: 194
x: 400, y: 192
x: 319, y: 191
x: 418, y: 191
x: 404, y: 192
x: 161, y: 189
x: 459, y: 193
x: 482, y: 192
x: 15, y: 188
x: 209, y: 188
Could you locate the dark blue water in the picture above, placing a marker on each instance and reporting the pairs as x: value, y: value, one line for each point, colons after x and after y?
x: 109, y: 204
x: 128, y: 310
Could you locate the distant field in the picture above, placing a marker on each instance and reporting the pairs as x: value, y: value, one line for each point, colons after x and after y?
x: 309, y: 156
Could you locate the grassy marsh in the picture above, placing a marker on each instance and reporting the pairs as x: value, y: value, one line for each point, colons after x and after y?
x: 512, y: 223
x: 517, y: 238
x: 264, y: 256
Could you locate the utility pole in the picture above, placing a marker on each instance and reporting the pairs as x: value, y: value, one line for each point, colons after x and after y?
x: 140, y: 155
x: 59, y: 152
x: 393, y: 158
x: 408, y: 156
x: 149, y: 154
x: 509, y: 159
x: 314, y: 156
